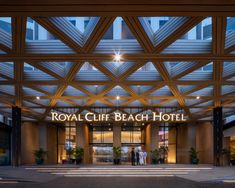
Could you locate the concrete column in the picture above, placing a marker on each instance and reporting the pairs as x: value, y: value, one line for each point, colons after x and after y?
x: 51, y: 144
x: 82, y: 135
x: 172, y: 145
x: 218, y: 134
x: 29, y: 142
x: 16, y: 135
x: 204, y: 142
x: 186, y: 138
x: 42, y: 129
x: 151, y: 139
x: 61, y: 144
x: 225, y: 157
x: 117, y: 135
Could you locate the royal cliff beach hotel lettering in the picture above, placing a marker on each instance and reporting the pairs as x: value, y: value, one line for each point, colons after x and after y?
x: 92, y: 117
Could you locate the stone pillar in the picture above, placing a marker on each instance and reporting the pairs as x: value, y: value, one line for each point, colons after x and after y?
x: 61, y: 144
x: 204, y: 142
x: 171, y: 145
x: 186, y: 138
x: 151, y: 139
x: 51, y: 137
x: 16, y: 135
x: 218, y: 134
x: 29, y: 142
x: 82, y: 135
x: 117, y: 135
x: 225, y: 157
x: 42, y: 131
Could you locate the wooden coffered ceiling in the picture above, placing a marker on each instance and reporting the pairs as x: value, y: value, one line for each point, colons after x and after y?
x: 71, y: 85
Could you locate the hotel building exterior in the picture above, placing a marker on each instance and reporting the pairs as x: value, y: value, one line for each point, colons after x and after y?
x: 100, y: 80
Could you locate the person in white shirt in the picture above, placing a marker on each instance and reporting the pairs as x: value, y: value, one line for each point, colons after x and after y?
x: 141, y: 156
x: 145, y: 157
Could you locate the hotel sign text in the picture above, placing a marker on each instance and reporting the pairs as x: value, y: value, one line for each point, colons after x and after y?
x: 92, y: 117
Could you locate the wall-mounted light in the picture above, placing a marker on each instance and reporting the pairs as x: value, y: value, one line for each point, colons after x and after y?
x: 198, y: 97
x: 38, y: 98
x: 117, y: 97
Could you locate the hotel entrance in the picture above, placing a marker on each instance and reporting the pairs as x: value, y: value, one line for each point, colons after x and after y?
x: 98, y: 140
x: 101, y: 143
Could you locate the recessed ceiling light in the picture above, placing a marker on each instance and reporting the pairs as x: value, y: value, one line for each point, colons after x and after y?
x: 38, y: 98
x: 117, y: 57
x: 117, y: 97
x: 198, y: 97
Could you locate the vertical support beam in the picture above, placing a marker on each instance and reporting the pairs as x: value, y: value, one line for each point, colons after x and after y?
x: 117, y: 135
x: 172, y: 145
x: 218, y: 45
x: 82, y: 140
x: 186, y: 138
x: 151, y: 139
x: 218, y: 134
x: 57, y: 144
x: 16, y: 135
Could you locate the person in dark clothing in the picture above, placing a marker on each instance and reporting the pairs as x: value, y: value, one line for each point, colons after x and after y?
x: 133, y: 157
x: 137, y: 158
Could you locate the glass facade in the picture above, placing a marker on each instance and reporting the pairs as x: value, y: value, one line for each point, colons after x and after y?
x: 128, y: 137
x: 102, y: 154
x: 5, y: 144
x: 167, y: 139
x: 101, y: 135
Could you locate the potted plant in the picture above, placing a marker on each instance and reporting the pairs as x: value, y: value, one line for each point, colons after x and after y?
x: 155, y: 155
x: 232, y: 156
x: 39, y: 156
x: 163, y: 151
x: 193, y: 156
x: 78, y: 154
x: 117, y: 155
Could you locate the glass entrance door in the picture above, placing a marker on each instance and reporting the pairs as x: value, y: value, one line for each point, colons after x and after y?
x: 102, y: 155
x: 126, y: 153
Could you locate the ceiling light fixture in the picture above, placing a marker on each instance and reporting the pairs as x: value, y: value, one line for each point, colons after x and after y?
x: 117, y: 97
x: 38, y: 98
x: 198, y: 97
x: 117, y: 57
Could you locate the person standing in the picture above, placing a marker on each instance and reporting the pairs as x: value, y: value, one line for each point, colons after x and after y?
x: 133, y: 157
x: 145, y: 157
x: 137, y: 158
x: 141, y: 155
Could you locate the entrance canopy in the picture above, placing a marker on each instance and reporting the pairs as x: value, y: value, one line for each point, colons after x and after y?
x: 72, y: 57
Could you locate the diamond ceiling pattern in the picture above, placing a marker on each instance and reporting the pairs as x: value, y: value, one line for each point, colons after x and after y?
x: 93, y: 78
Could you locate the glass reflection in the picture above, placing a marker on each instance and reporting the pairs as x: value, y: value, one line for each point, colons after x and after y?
x: 102, y: 154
